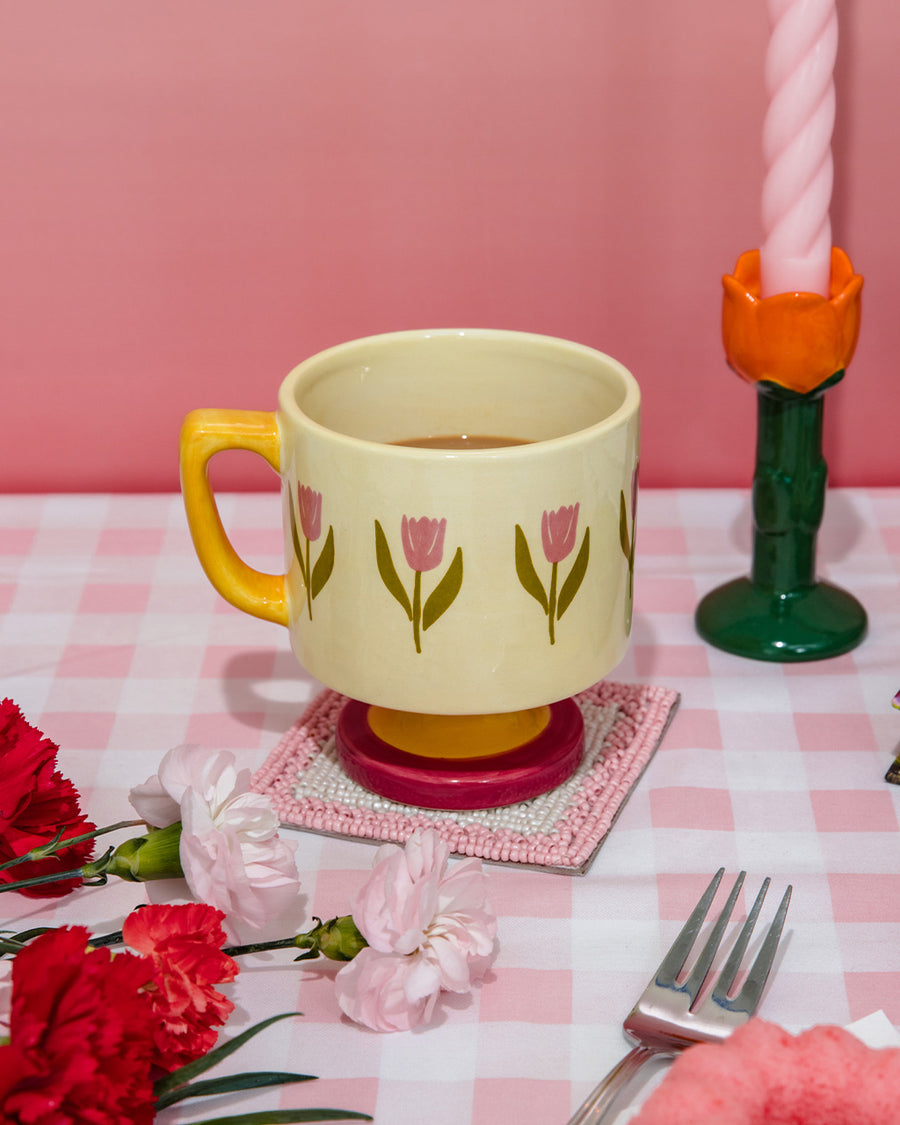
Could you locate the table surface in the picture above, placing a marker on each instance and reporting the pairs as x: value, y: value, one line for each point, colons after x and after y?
x: 113, y: 643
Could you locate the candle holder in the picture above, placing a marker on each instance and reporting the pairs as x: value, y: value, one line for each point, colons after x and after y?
x: 792, y: 347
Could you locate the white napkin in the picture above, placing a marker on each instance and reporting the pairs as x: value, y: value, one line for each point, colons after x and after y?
x: 875, y: 1030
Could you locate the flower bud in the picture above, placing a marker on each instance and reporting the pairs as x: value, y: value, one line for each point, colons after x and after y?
x: 154, y: 856
x: 337, y: 939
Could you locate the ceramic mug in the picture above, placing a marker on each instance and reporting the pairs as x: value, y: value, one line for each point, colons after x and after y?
x: 432, y: 578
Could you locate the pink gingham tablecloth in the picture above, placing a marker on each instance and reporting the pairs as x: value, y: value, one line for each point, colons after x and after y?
x: 112, y: 641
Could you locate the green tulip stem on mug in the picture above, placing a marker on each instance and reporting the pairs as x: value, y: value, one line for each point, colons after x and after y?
x: 423, y: 547
x: 309, y: 504
x: 558, y: 533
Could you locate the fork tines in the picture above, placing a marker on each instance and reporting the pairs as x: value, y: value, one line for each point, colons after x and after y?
x: 748, y: 998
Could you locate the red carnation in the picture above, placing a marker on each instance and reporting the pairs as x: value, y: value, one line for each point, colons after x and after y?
x: 36, y: 801
x: 183, y: 943
x: 80, y: 1036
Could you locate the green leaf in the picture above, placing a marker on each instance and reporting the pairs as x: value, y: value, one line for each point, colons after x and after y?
x: 624, y: 537
x: 441, y: 597
x: 388, y: 571
x: 190, y: 1070
x: 285, y: 1117
x: 576, y: 575
x: 15, y: 943
x: 298, y: 550
x: 324, y: 565
x: 27, y: 935
x: 526, y: 572
x: 249, y: 1080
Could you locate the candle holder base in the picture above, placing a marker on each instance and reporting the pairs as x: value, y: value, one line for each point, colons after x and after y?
x: 813, y: 623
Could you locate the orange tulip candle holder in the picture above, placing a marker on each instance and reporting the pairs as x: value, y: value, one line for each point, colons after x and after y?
x: 793, y: 347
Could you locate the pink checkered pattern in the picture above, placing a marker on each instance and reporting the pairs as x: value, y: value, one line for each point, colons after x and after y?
x: 112, y: 641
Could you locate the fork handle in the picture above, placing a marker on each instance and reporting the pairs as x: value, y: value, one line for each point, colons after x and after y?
x: 600, y: 1100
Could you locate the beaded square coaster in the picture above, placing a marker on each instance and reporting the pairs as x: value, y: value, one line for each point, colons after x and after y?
x: 560, y: 831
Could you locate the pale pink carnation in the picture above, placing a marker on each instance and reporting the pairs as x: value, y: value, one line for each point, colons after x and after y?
x: 429, y: 928
x: 231, y: 854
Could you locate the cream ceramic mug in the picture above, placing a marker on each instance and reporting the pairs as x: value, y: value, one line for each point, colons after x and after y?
x: 447, y: 581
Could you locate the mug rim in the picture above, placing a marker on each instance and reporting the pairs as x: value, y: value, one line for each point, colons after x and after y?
x: 287, y: 402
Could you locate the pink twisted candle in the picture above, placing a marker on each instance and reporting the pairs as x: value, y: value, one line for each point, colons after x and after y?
x: 796, y: 251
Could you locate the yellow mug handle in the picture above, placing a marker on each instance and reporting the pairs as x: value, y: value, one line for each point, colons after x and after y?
x: 203, y: 434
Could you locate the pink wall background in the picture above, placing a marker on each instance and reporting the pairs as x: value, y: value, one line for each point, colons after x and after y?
x: 195, y: 196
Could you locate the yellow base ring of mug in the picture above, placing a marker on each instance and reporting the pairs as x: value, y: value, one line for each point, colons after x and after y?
x: 457, y: 736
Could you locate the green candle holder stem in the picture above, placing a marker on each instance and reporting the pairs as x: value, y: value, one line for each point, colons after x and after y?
x: 793, y: 347
x: 781, y: 612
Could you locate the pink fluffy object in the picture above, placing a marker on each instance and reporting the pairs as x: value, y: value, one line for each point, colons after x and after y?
x: 761, y: 1074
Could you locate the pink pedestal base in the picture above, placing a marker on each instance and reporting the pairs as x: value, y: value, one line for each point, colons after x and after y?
x: 537, y: 766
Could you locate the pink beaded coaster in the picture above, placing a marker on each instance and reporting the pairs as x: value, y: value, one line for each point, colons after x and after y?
x: 559, y: 831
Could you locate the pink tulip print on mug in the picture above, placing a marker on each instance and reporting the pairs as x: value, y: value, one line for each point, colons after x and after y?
x: 459, y: 513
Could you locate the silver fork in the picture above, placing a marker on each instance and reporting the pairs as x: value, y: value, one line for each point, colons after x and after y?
x: 665, y: 1020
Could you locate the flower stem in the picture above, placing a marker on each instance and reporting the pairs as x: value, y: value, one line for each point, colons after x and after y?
x: 337, y: 939
x: 308, y: 581
x: 115, y: 938
x: 96, y: 869
x: 260, y: 946
x: 551, y: 603
x: 417, y: 609
x: 58, y: 844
